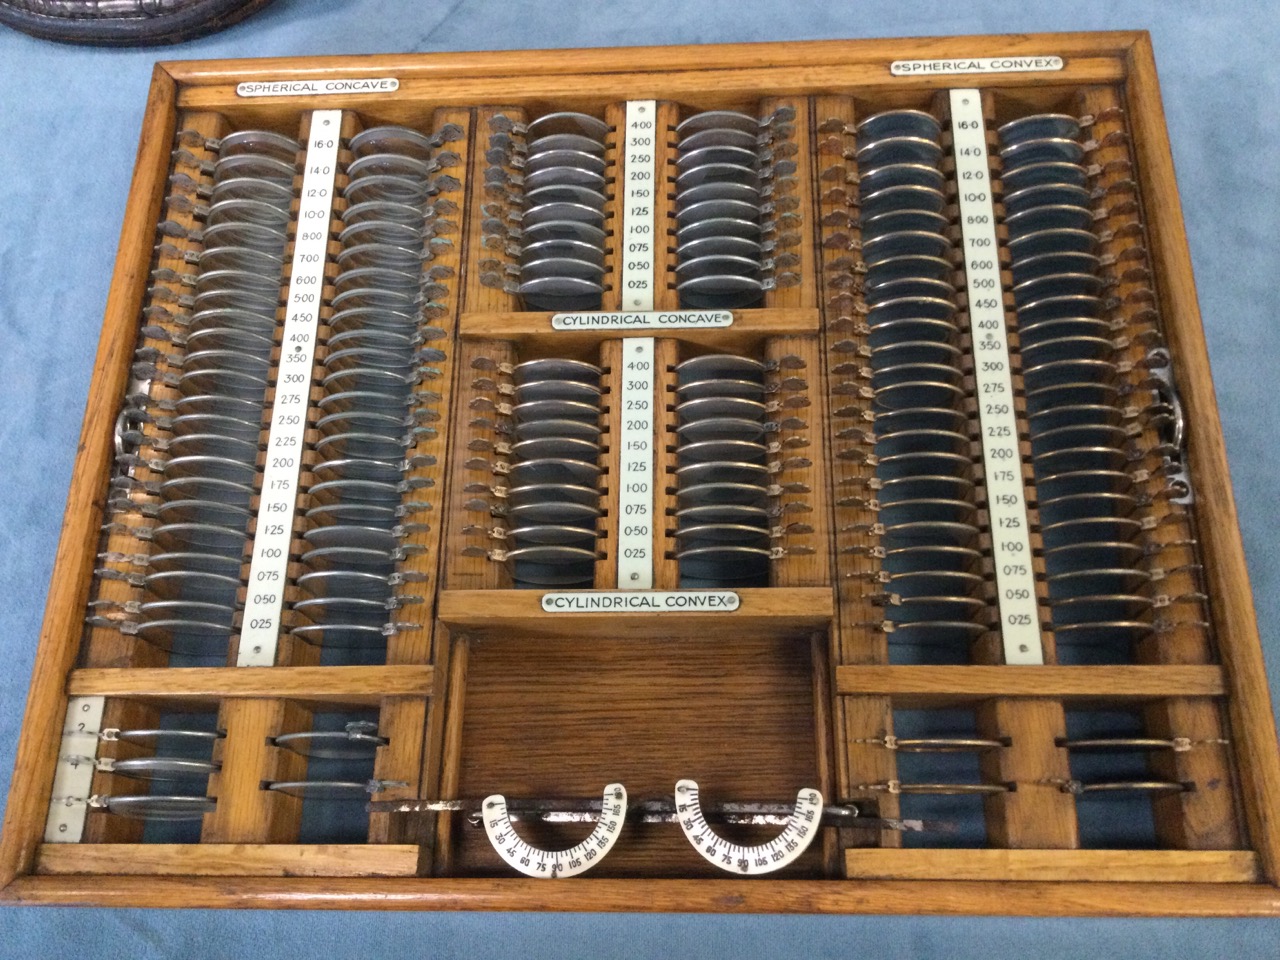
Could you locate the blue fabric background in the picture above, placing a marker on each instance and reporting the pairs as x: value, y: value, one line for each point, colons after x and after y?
x: 69, y: 119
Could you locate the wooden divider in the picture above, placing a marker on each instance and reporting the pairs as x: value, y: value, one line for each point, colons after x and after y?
x: 797, y: 190
x: 610, y: 463
x: 413, y: 725
x: 475, y: 434
x: 105, y: 646
x: 795, y: 374
x: 1205, y: 817
x: 666, y: 569
x: 476, y: 296
x: 665, y: 296
x: 862, y: 722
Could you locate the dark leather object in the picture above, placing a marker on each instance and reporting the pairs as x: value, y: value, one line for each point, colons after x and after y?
x: 124, y: 23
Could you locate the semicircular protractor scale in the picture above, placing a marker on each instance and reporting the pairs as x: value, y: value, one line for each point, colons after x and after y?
x: 736, y: 858
x: 525, y: 858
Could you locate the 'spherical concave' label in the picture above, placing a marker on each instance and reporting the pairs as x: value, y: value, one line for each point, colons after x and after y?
x: 317, y: 88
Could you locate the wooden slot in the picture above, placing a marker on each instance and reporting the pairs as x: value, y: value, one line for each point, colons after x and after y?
x: 1057, y: 866
x: 228, y: 860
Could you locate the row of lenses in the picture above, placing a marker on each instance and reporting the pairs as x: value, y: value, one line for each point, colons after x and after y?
x: 340, y: 766
x: 377, y: 379
x: 1081, y: 449
x: 922, y: 433
x: 545, y: 489
x: 724, y: 511
x: 208, y: 463
x: 551, y: 181
x: 734, y: 216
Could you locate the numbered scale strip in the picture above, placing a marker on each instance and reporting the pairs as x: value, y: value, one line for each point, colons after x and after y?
x: 635, y: 419
x: 993, y: 376
x: 73, y: 776
x: 268, y: 569
x: 639, y: 246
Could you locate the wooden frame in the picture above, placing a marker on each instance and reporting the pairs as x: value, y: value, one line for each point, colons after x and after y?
x: 423, y: 686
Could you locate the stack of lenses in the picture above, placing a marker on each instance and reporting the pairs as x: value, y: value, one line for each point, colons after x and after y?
x: 178, y: 769
x: 209, y: 476
x: 562, y: 233
x: 925, y: 466
x: 725, y: 228
x: 375, y: 410
x: 1080, y: 449
x: 553, y: 494
x: 722, y: 476
x: 339, y: 764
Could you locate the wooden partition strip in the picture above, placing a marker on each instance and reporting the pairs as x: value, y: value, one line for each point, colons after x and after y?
x: 1204, y: 817
x: 106, y: 646
x: 805, y: 521
x: 477, y: 429
x: 245, y: 811
x: 953, y: 684
x: 355, y: 686
x: 862, y: 722
x: 228, y: 860
x: 665, y: 296
x: 1037, y: 814
x: 440, y: 861
x: 615, y: 115
x: 476, y: 296
x: 1114, y: 866
x: 794, y: 196
x: 404, y: 721
x: 666, y: 569
x: 610, y: 464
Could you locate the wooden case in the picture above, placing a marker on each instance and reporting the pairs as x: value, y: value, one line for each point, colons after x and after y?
x: 485, y: 692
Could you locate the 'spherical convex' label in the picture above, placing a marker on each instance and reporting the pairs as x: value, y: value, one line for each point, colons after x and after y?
x: 648, y: 601
x: 910, y: 68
